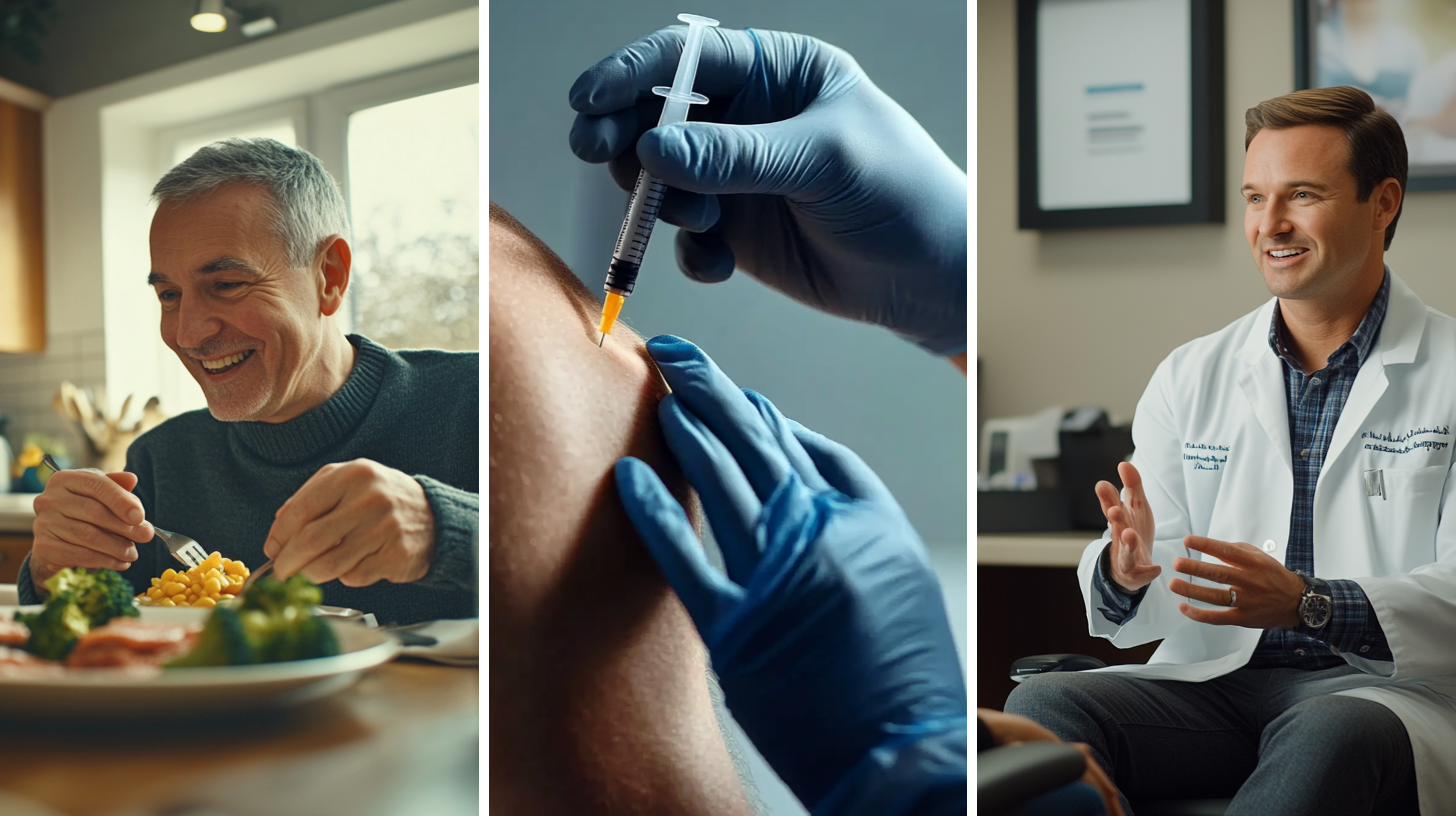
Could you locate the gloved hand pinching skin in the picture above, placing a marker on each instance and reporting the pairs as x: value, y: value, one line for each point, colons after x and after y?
x: 828, y: 632
x: 802, y: 173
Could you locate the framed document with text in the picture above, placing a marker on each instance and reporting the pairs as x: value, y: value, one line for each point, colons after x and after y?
x: 1120, y: 112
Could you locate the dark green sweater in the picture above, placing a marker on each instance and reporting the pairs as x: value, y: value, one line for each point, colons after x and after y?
x: 221, y: 482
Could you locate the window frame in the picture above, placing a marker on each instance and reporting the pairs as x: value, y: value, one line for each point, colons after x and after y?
x: 294, y: 110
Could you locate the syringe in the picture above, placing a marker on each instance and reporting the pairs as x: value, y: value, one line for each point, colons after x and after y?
x: 647, y: 195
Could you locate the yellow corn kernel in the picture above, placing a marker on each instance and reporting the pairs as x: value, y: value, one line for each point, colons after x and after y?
x: 234, y: 568
x: 169, y: 574
x: 212, y: 585
x: 166, y: 602
x: 207, y: 603
x: 155, y: 593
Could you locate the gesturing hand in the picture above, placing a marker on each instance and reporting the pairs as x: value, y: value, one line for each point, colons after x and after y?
x: 1268, y: 592
x: 359, y: 522
x: 1131, y: 522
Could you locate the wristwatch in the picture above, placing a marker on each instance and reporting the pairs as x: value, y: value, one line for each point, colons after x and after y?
x: 1315, y: 605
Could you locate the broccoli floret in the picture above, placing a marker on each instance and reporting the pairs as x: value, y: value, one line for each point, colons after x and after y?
x: 222, y: 642
x: 54, y: 630
x: 102, y: 594
x: 273, y: 596
x: 273, y: 622
x: 294, y: 634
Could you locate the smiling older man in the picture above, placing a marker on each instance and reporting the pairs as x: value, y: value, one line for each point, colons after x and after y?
x: 353, y: 464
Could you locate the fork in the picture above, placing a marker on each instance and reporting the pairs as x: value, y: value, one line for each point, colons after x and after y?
x: 255, y: 575
x: 183, y: 549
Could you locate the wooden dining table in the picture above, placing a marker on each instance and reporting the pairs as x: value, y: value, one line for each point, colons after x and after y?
x: 175, y: 764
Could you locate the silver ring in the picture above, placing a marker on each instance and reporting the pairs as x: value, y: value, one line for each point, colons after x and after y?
x: 1233, y: 597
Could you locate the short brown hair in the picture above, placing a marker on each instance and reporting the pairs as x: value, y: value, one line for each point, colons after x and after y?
x: 1377, y: 145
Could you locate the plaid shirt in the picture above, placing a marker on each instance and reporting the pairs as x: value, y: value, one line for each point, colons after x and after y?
x: 1314, y: 402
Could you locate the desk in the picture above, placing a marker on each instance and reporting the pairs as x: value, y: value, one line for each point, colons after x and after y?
x: 1028, y: 602
x: 345, y: 747
x: 1062, y: 549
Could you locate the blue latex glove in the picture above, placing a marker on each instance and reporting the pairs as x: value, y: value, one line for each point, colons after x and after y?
x: 804, y: 174
x: 829, y: 631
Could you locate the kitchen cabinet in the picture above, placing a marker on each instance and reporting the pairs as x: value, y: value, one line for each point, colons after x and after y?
x: 13, y: 549
x: 22, y: 237
x: 17, y: 515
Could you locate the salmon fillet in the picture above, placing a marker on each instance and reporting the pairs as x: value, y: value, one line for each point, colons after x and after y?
x: 132, y: 642
x: 12, y: 633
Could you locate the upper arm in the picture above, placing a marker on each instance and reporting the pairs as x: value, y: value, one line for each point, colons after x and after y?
x: 598, y: 693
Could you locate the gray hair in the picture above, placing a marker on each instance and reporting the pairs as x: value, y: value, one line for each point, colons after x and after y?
x: 306, y: 208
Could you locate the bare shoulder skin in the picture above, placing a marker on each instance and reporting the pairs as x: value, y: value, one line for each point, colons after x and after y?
x: 598, y: 698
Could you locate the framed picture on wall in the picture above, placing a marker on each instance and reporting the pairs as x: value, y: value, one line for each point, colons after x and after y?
x: 1401, y: 52
x: 1120, y: 112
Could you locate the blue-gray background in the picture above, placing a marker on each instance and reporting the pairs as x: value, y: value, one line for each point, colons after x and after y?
x: 899, y: 408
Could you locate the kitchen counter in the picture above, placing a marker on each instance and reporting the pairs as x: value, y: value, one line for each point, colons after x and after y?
x: 16, y: 513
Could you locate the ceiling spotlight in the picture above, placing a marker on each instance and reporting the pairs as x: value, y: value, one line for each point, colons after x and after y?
x: 259, y: 27
x: 210, y: 17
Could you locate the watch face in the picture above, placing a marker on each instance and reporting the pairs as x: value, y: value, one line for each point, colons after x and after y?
x: 1314, y: 610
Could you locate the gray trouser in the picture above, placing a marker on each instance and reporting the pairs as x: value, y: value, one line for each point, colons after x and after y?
x: 1276, y: 740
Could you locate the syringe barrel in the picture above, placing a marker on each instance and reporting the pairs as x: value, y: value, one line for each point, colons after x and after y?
x: 622, y: 277
x: 647, y: 195
x: 635, y: 233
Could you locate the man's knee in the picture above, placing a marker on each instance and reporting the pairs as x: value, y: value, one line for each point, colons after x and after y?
x: 1340, y: 729
x: 1043, y: 694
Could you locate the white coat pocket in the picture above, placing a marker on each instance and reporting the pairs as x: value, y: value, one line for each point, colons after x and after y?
x: 1403, y: 519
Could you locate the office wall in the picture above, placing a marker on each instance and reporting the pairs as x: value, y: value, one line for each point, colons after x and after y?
x: 1078, y: 317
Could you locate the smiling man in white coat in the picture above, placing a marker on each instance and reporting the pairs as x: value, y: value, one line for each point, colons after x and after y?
x: 1287, y: 525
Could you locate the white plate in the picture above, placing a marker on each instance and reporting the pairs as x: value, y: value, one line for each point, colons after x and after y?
x: 198, y: 614
x: 229, y: 689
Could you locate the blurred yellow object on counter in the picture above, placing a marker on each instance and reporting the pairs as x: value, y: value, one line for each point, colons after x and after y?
x: 29, y: 457
x: 215, y: 579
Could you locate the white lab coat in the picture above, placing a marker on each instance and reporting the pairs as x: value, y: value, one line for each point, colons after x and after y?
x: 1212, y: 445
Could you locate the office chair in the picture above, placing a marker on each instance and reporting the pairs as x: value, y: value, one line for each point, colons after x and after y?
x: 1041, y: 664
x: 1009, y: 776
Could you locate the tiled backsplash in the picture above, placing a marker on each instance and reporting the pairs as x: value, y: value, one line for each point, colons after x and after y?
x: 29, y: 381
